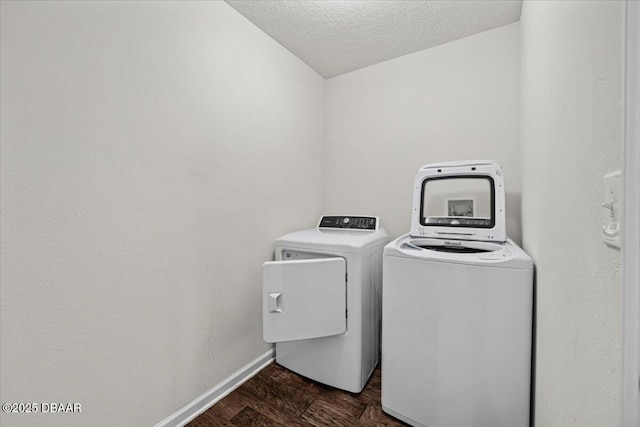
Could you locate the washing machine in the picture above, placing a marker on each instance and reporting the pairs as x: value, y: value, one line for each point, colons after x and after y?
x: 457, y: 306
x: 321, y: 300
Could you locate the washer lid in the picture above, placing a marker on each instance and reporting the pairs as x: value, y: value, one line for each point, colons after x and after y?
x: 459, y: 200
x: 457, y: 164
x: 334, y: 240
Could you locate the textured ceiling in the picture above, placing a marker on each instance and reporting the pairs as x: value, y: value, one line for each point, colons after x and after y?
x: 338, y: 36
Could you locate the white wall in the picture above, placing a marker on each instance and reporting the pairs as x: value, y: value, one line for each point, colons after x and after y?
x: 457, y: 101
x: 151, y: 153
x: 572, y: 68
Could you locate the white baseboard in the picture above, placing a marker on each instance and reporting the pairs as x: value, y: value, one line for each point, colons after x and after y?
x: 205, y: 401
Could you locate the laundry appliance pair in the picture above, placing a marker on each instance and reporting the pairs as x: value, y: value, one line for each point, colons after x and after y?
x: 456, y: 294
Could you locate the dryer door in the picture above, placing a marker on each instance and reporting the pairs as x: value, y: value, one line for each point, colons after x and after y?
x: 303, y: 299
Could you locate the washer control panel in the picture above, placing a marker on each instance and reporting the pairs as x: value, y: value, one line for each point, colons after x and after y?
x: 349, y: 222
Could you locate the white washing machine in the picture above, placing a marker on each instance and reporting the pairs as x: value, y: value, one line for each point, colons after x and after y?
x: 321, y: 300
x: 457, y: 306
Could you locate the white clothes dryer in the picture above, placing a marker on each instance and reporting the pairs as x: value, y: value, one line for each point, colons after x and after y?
x: 457, y: 306
x: 322, y: 300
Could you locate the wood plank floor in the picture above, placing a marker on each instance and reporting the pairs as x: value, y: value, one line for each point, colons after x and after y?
x: 278, y: 397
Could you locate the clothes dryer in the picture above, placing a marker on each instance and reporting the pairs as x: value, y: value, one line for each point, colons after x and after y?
x: 322, y: 300
x: 457, y: 306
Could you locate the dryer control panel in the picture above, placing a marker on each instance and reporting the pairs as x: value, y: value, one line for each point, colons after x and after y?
x: 368, y: 223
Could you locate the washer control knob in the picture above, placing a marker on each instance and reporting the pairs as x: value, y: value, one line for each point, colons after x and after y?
x: 345, y: 221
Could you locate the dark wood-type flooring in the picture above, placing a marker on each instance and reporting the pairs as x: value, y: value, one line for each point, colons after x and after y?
x: 279, y: 397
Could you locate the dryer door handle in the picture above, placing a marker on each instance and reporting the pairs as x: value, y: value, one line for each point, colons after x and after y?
x: 275, y: 302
